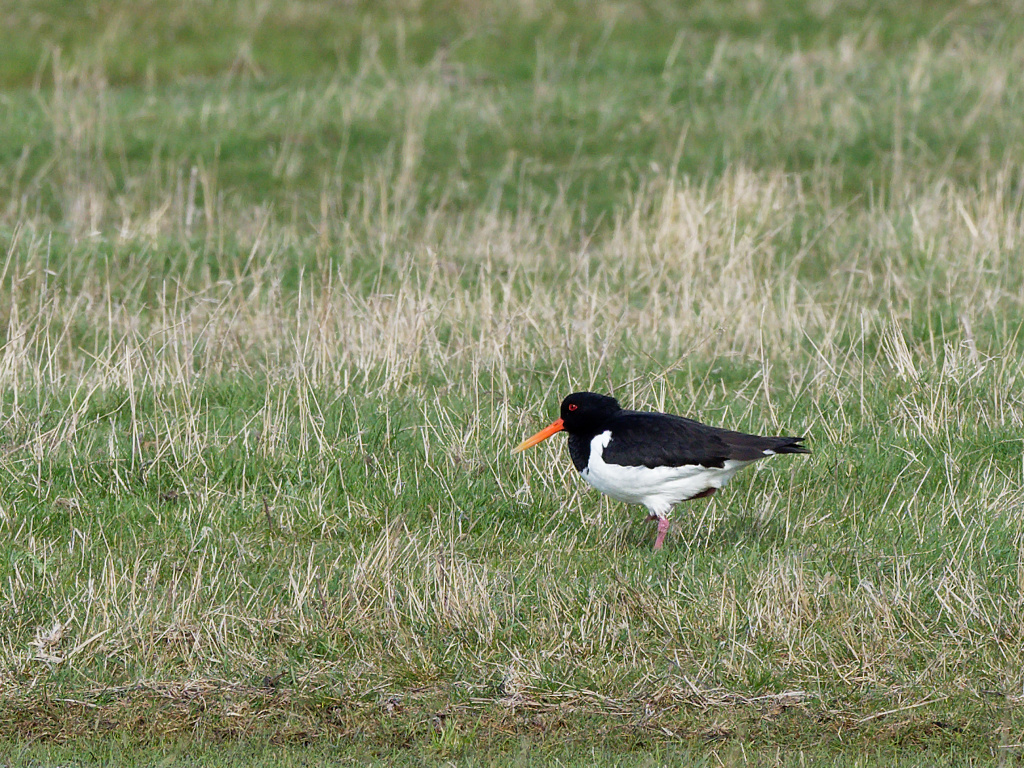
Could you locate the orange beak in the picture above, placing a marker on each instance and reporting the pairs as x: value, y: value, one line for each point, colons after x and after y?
x: 540, y: 437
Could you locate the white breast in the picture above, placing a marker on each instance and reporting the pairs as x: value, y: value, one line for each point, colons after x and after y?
x: 659, y: 488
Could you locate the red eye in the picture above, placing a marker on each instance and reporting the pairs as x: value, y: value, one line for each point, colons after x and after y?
x: 572, y: 407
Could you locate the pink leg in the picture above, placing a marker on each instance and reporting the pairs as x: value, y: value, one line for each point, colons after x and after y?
x: 663, y: 524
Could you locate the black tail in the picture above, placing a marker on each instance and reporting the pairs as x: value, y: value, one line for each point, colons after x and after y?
x: 787, y: 445
x: 751, y: 447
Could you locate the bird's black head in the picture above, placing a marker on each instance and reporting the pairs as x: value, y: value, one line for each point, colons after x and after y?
x: 586, y: 412
x: 583, y: 413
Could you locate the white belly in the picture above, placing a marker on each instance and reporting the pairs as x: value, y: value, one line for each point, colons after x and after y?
x: 657, y: 489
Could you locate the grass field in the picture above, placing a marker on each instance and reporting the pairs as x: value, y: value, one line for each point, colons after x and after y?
x: 282, y: 284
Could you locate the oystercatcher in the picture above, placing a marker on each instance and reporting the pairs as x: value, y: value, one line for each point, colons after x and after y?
x: 654, y: 459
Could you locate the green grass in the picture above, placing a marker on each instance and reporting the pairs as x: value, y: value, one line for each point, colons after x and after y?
x: 523, y: 751
x: 280, y: 287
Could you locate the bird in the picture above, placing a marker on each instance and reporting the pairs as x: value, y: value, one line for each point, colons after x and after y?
x: 654, y: 459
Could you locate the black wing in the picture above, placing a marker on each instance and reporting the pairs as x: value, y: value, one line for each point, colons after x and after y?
x: 660, y: 439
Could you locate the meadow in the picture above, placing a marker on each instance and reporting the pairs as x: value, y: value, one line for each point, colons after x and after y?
x: 283, y: 283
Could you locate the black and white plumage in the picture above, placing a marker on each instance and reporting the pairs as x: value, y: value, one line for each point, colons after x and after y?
x: 654, y: 459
